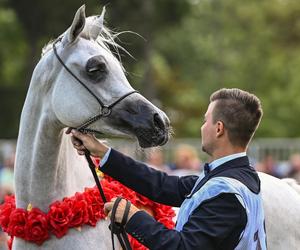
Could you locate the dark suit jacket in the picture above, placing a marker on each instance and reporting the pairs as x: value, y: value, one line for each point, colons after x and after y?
x: 216, y: 224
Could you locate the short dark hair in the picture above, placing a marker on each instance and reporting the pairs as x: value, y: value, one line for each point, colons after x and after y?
x: 240, y: 111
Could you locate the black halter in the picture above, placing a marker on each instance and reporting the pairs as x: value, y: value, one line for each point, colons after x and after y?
x: 116, y: 228
x: 105, y: 109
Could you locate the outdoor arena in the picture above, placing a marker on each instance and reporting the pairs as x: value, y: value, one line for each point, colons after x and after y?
x: 279, y: 148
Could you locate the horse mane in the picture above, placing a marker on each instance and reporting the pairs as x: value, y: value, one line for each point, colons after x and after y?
x: 106, y: 39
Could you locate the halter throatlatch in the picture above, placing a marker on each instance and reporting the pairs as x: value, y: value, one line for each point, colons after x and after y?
x: 116, y: 228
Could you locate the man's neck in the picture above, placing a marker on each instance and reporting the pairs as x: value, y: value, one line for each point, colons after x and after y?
x: 225, y: 151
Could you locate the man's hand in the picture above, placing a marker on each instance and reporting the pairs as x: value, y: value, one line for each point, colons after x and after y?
x: 120, y: 210
x: 81, y: 142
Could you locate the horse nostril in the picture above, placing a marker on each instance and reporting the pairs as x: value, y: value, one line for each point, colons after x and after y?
x: 158, y: 122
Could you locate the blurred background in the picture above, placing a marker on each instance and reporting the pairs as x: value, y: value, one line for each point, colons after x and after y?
x: 189, y: 49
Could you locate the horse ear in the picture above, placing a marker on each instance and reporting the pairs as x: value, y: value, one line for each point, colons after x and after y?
x: 76, y: 27
x: 97, y: 25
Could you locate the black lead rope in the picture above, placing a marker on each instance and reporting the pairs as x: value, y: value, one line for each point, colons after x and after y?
x: 119, y: 228
x: 92, y: 168
x: 115, y: 227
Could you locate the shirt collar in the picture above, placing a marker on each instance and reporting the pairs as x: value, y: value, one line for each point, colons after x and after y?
x: 216, y: 163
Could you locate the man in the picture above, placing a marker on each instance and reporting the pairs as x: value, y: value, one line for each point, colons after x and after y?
x: 221, y: 209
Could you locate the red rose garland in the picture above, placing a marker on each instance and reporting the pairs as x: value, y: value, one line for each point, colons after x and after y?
x: 73, y: 212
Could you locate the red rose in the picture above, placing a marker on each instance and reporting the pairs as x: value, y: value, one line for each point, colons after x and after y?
x: 142, y: 200
x: 17, y: 222
x: 59, y: 217
x: 80, y: 211
x: 69, y: 201
x: 37, y: 226
x: 5, y: 210
x: 94, y: 206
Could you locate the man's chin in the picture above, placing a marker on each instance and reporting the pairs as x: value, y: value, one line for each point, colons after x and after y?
x: 204, y: 149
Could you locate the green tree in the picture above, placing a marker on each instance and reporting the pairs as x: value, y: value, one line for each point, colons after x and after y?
x: 252, y: 45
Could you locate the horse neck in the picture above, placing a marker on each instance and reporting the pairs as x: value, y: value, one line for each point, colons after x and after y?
x: 46, y: 168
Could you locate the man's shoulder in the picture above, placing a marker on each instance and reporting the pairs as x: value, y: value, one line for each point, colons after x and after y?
x: 241, y: 170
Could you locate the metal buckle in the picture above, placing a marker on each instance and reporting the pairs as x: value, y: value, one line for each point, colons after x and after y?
x: 105, y: 111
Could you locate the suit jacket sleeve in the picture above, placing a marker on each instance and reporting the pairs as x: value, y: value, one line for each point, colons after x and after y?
x: 215, y: 224
x: 154, y: 184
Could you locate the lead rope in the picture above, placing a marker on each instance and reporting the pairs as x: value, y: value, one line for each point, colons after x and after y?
x: 115, y: 227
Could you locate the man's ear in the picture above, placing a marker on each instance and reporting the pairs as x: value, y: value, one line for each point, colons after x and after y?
x: 220, y: 129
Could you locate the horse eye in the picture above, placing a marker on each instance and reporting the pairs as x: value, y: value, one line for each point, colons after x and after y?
x: 96, y: 68
x: 100, y: 67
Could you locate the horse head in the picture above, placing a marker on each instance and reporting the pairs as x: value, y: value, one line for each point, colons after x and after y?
x: 90, y: 90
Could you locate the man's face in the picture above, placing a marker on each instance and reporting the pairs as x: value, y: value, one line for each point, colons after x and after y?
x: 208, y: 131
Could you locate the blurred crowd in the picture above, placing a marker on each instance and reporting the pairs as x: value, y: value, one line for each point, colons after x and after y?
x: 185, y: 160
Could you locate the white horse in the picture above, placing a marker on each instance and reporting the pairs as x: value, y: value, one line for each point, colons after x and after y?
x: 281, y: 199
x: 47, y: 168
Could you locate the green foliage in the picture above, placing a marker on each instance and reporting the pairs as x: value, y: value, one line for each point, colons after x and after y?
x: 13, y: 49
x: 192, y: 48
x: 253, y: 45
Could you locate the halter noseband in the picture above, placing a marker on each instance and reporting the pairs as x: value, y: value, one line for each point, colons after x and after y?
x: 105, y: 109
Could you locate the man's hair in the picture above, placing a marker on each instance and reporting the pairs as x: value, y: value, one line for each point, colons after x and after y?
x: 240, y: 113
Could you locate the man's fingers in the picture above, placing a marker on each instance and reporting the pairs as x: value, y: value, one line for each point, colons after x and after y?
x: 78, y: 135
x: 75, y: 141
x: 80, y: 152
x: 80, y: 147
x: 108, y: 207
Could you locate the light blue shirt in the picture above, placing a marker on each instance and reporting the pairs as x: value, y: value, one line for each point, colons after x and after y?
x: 216, y: 163
x: 105, y: 157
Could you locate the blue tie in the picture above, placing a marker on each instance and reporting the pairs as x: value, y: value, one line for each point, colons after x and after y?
x: 206, y: 168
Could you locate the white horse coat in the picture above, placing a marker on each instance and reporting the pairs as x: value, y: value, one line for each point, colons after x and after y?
x: 281, y: 199
x: 47, y: 167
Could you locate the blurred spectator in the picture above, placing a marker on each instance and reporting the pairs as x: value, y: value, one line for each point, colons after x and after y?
x: 186, y: 161
x: 155, y: 159
x: 294, y: 164
x: 268, y: 165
